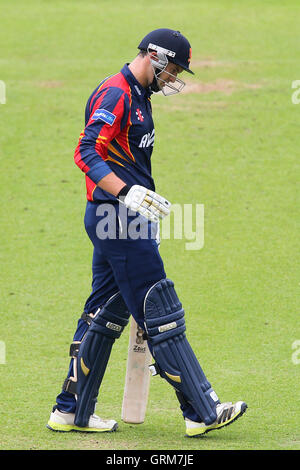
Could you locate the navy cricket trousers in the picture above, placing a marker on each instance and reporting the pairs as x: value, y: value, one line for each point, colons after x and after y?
x: 125, y: 258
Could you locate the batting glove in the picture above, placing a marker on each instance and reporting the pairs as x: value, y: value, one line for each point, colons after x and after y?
x: 148, y: 203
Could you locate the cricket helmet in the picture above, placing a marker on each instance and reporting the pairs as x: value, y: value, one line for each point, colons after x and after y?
x: 173, y: 44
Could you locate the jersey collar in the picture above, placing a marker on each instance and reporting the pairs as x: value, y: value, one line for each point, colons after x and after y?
x: 135, y: 86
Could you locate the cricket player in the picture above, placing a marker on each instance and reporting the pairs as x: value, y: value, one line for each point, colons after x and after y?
x: 122, y: 215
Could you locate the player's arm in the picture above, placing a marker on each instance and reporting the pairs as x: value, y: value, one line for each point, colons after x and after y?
x: 108, y: 117
x: 112, y: 184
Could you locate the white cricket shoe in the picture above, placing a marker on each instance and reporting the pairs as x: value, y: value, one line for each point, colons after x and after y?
x: 226, y: 414
x: 64, y: 422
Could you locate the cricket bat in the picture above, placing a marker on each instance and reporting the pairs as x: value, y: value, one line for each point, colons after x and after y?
x: 137, y: 380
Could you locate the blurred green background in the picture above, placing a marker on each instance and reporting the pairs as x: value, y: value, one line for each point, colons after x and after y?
x: 230, y: 142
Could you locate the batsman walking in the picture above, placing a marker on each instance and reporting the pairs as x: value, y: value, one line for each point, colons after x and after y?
x: 122, y: 217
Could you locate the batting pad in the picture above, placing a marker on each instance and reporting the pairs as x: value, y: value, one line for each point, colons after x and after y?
x: 177, y: 363
x: 94, y: 353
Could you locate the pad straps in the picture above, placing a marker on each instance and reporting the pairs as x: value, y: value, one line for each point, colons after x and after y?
x: 70, y: 382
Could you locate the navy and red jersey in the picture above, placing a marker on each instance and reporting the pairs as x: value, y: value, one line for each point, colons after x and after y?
x: 118, y: 135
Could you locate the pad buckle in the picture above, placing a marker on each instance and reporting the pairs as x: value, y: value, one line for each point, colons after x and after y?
x: 88, y: 317
x: 69, y: 386
x: 74, y: 348
x: 154, y: 369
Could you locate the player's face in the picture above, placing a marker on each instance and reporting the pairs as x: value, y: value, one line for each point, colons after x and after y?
x: 166, y: 80
x: 169, y: 75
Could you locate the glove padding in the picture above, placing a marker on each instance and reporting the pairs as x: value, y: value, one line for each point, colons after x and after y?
x: 148, y: 203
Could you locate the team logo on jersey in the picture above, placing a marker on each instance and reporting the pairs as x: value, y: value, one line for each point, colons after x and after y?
x: 139, y: 115
x: 104, y: 115
x: 147, y: 139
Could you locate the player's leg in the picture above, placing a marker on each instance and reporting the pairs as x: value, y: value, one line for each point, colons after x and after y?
x: 177, y: 363
x: 90, y: 352
x: 103, y: 287
x: 90, y: 359
x: 104, y: 317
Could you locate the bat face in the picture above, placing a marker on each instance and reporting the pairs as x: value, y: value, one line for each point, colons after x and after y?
x: 137, y: 379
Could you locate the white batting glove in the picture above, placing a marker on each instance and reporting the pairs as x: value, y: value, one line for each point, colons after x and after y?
x: 148, y: 203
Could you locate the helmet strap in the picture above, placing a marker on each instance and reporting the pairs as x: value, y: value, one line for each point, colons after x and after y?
x: 154, y: 85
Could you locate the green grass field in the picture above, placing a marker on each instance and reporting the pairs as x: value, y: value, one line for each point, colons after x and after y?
x: 231, y: 142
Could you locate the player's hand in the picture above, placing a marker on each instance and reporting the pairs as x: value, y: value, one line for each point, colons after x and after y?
x: 148, y: 203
